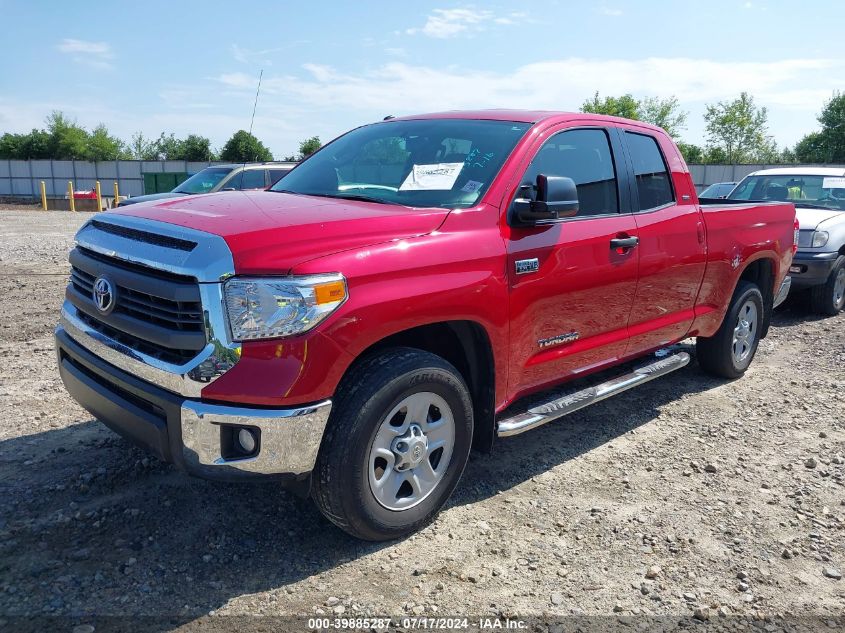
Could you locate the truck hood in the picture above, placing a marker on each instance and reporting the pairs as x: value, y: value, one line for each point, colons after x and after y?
x: 270, y: 232
x: 809, y: 219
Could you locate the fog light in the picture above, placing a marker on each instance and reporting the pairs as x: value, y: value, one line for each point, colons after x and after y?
x: 246, y: 440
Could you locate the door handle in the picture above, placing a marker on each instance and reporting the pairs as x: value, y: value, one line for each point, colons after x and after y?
x: 624, y: 242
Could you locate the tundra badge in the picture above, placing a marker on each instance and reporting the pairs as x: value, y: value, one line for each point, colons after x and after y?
x: 557, y: 340
x: 527, y: 266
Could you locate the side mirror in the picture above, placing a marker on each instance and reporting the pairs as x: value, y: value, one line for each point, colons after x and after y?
x: 557, y: 197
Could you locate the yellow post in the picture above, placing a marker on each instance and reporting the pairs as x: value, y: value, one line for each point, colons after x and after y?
x: 43, y: 196
x: 116, y: 195
x: 70, y: 195
x: 99, y: 196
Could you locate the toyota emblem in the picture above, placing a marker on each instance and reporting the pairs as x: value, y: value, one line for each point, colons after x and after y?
x: 103, y: 295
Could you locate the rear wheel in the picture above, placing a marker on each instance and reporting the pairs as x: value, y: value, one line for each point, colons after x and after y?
x: 829, y: 298
x: 729, y: 352
x: 396, y: 444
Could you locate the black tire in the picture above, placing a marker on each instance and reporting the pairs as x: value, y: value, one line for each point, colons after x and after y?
x: 716, y: 353
x: 823, y: 299
x: 340, y: 480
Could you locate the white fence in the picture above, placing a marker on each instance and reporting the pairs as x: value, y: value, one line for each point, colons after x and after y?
x: 22, y: 178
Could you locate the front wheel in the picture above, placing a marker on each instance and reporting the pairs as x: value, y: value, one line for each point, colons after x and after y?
x: 396, y: 444
x: 829, y: 298
x: 729, y: 352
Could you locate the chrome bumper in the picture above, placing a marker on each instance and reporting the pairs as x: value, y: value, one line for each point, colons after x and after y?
x: 289, y: 438
x: 780, y: 297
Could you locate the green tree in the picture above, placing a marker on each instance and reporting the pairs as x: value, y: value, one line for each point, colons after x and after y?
x: 308, y: 147
x: 715, y: 156
x: 664, y: 113
x: 68, y: 140
x: 244, y: 147
x: 828, y: 144
x: 35, y: 145
x: 625, y: 106
x: 167, y: 147
x: 142, y: 148
x: 739, y: 129
x: 832, y: 119
x: 195, y: 148
x: 691, y: 153
x: 101, y: 145
x: 812, y: 149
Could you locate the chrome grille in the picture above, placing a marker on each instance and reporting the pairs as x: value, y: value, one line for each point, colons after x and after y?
x: 176, y: 315
x: 155, y: 312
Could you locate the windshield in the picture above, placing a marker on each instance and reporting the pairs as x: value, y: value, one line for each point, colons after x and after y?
x: 203, y: 181
x: 816, y: 191
x: 423, y: 163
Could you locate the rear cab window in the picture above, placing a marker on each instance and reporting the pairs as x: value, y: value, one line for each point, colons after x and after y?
x: 654, y: 183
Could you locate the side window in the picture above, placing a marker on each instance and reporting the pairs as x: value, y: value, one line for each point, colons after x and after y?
x: 654, y: 185
x: 584, y: 156
x: 276, y: 174
x: 234, y: 182
x: 253, y: 179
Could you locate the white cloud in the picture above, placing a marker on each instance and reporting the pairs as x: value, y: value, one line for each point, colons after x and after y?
x: 614, y: 13
x: 446, y: 23
x: 263, y: 56
x: 94, y: 54
x: 555, y: 84
x: 561, y: 84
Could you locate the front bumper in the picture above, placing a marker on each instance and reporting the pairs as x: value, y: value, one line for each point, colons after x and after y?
x: 811, y: 268
x: 192, y: 434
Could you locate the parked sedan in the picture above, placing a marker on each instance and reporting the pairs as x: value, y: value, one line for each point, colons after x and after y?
x: 222, y: 178
x: 718, y: 190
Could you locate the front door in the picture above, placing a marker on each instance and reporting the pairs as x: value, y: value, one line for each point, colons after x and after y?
x: 571, y: 287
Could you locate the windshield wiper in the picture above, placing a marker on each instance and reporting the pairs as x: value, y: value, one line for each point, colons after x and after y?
x: 342, y: 196
x: 355, y: 196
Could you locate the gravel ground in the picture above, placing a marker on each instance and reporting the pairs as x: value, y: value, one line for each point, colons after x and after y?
x: 688, y: 496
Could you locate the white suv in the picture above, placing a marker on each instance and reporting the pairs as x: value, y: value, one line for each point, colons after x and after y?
x: 819, y: 197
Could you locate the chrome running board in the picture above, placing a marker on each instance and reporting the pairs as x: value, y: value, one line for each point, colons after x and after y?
x: 539, y: 415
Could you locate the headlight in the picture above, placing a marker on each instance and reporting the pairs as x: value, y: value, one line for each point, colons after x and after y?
x: 281, y: 306
x: 819, y: 238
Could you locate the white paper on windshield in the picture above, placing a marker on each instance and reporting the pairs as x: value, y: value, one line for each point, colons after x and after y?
x: 833, y: 182
x: 437, y: 177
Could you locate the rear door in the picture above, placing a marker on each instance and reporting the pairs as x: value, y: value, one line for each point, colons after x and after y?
x: 672, y: 247
x: 571, y: 290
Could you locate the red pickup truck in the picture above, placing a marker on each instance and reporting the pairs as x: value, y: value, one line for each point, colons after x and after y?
x: 355, y: 330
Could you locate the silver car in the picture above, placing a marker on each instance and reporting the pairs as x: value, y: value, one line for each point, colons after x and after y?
x: 819, y: 197
x: 237, y: 177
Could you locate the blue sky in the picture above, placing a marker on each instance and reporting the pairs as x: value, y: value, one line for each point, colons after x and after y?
x: 328, y: 66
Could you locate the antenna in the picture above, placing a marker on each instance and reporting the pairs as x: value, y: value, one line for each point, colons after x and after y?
x: 254, y: 108
x: 255, y: 105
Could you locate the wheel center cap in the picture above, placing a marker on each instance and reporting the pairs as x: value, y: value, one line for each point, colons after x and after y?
x: 410, y: 448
